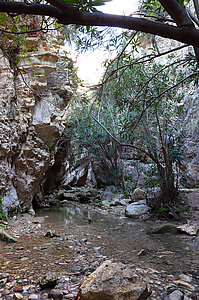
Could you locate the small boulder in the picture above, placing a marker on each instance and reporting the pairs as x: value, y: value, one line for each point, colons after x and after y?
x: 190, y: 229
x: 114, y: 281
x: 137, y: 209
x: 49, y: 280
x: 175, y: 295
x: 138, y: 194
x: 5, y: 236
x: 51, y: 234
x: 166, y: 228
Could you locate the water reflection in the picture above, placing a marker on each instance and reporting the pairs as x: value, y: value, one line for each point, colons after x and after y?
x: 123, y: 238
x: 64, y: 215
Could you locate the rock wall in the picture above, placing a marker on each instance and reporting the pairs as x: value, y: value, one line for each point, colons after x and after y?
x: 33, y: 99
x: 191, y: 143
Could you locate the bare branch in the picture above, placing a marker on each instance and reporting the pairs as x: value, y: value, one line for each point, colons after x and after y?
x: 141, y: 60
x: 116, y: 140
x: 152, y: 100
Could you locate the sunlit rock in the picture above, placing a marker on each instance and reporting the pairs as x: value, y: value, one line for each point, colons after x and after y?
x: 114, y: 281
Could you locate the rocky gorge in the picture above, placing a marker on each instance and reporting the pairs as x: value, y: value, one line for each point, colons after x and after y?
x: 87, y: 241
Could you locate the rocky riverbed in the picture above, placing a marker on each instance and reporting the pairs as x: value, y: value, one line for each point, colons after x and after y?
x: 60, y: 244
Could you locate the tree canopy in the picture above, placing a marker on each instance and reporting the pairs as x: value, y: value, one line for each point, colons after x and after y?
x: 183, y: 28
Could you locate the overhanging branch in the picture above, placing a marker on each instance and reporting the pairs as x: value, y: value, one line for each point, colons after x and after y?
x: 185, y: 34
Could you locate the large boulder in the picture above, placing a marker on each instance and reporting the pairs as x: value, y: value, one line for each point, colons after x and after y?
x: 137, y: 209
x: 113, y: 281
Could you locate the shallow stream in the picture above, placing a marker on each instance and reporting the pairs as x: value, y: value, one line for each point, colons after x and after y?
x: 79, y: 244
x: 122, y: 239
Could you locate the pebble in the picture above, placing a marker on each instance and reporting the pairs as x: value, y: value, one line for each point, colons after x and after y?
x: 69, y: 296
x: 17, y: 296
x: 4, y: 275
x: 33, y: 297
x: 185, y: 277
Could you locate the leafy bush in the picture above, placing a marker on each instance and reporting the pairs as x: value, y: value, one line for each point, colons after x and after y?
x: 162, y: 212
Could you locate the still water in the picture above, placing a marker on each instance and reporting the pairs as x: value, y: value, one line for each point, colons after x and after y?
x: 123, y: 239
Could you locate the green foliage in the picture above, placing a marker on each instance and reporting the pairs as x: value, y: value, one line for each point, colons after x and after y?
x: 87, y: 5
x: 146, y: 116
x: 197, y: 185
x: 151, y: 176
x: 88, y: 137
x: 13, y: 40
x: 161, y: 212
x: 2, y: 214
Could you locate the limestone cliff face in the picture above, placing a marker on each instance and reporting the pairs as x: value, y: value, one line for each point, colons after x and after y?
x: 191, y: 143
x: 32, y: 108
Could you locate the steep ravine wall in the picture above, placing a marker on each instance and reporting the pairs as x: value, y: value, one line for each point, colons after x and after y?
x: 32, y: 105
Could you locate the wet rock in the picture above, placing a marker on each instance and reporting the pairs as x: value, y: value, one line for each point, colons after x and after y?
x: 138, y: 194
x: 33, y: 297
x: 49, y: 280
x: 166, y: 228
x: 142, y: 252
x: 137, y: 209
x: 17, y: 296
x: 4, y: 275
x: 185, y: 277
x: 4, y: 236
x: 120, y: 202
x: 185, y: 284
x: 51, y: 234
x: 55, y: 294
x: 176, y: 295
x: 69, y: 296
x: 114, y: 281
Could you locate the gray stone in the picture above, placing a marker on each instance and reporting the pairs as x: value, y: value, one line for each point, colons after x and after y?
x: 49, y: 280
x: 137, y: 209
x: 176, y: 295
x: 185, y: 277
x: 138, y: 194
x: 33, y: 297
